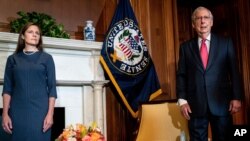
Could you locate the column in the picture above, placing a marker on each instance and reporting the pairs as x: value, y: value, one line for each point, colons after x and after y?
x: 99, y: 106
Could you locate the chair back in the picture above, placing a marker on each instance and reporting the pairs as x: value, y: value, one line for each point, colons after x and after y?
x: 161, y: 121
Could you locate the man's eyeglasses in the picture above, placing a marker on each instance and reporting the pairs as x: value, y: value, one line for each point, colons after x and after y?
x: 200, y: 18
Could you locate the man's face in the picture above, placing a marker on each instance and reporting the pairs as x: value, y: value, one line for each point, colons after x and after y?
x: 202, y: 22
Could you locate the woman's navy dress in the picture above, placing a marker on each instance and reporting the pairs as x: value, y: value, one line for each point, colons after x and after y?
x: 30, y: 81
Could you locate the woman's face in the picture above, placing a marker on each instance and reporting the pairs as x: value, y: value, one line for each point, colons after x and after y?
x: 32, y: 36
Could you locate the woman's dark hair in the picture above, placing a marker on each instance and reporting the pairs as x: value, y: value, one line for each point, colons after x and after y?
x: 21, y: 42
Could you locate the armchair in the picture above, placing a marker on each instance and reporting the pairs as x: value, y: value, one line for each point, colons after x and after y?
x: 161, y: 121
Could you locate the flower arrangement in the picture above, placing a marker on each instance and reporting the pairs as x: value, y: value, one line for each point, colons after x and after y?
x: 80, y: 132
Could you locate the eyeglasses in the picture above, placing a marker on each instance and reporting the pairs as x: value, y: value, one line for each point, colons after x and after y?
x: 200, y: 18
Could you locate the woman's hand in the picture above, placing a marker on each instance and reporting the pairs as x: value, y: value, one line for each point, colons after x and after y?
x: 48, y: 122
x: 6, y: 123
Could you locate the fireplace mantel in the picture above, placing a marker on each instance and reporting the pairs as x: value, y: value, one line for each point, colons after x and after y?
x: 80, y: 78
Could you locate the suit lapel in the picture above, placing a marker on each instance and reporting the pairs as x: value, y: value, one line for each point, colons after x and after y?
x: 196, y: 53
x: 212, y: 51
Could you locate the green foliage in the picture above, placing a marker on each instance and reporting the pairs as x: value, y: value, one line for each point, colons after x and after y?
x: 47, y: 24
x: 124, y: 34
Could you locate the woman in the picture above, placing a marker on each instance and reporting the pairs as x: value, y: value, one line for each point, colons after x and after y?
x: 29, y: 90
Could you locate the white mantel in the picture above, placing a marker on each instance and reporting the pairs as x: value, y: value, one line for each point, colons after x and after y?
x: 80, y: 79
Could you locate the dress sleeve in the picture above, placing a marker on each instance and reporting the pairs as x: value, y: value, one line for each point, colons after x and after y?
x: 8, y: 76
x: 51, y: 77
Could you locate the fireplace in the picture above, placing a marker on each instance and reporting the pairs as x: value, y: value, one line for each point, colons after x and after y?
x: 80, y: 77
x: 59, y: 122
x: 58, y: 126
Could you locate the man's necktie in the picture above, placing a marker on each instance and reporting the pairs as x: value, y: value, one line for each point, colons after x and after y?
x: 204, y: 53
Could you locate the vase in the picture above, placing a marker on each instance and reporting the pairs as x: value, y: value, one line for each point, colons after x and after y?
x: 89, y: 31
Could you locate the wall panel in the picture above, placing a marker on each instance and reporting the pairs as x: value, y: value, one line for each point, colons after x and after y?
x: 71, y: 13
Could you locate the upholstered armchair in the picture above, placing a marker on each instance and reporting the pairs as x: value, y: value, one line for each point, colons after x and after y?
x: 161, y: 121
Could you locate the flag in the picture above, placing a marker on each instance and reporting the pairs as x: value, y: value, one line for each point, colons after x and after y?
x: 126, y: 60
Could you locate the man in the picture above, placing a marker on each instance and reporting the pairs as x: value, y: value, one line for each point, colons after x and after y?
x: 208, y: 82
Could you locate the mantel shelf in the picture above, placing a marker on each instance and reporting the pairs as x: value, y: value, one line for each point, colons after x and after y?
x: 50, y: 42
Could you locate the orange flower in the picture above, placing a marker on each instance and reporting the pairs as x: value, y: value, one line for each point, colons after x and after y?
x: 79, y: 132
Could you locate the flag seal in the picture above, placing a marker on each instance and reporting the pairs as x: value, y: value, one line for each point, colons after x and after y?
x: 126, y: 47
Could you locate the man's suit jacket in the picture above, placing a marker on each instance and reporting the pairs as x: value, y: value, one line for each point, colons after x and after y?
x: 213, y: 87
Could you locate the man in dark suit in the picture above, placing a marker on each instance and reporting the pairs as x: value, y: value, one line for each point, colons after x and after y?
x: 208, y: 81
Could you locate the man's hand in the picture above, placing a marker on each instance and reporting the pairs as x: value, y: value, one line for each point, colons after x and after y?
x: 234, y: 106
x: 185, y: 111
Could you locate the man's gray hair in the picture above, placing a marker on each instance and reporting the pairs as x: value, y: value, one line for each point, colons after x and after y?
x: 198, y: 9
